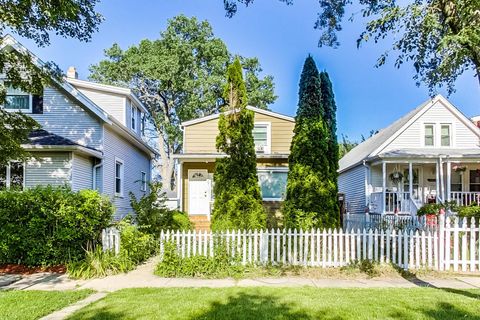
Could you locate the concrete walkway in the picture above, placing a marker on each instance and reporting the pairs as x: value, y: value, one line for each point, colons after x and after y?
x: 143, y: 277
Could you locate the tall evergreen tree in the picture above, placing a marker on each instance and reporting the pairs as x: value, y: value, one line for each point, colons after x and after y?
x: 238, y: 202
x: 311, y: 193
x: 330, y: 119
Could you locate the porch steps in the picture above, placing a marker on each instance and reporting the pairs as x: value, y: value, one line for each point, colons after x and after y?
x: 200, y: 222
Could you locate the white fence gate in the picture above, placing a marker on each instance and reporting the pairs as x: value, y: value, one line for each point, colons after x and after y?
x: 453, y: 245
x: 111, y: 240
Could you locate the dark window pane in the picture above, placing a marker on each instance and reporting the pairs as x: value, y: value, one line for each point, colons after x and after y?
x: 16, y: 175
x: 3, y: 177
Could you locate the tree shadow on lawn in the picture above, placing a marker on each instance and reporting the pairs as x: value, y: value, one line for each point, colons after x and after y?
x: 102, y: 314
x: 252, y: 306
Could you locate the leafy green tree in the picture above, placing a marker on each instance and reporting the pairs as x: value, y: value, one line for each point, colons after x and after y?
x: 35, y: 20
x: 179, y: 77
x: 311, y: 199
x: 330, y: 119
x: 345, y: 146
x: 238, y: 202
x: 440, y: 37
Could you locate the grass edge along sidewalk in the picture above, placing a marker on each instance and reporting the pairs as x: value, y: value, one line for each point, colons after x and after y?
x: 284, y: 303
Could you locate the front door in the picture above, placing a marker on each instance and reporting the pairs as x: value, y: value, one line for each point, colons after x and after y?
x: 199, y: 192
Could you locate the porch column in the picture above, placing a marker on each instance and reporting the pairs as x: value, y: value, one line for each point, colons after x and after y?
x: 384, y: 185
x: 437, y: 179
x: 442, y: 185
x: 180, y: 184
x: 449, y: 180
x: 410, y: 179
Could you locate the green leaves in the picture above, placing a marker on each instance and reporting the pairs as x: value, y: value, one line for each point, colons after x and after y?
x: 237, y: 193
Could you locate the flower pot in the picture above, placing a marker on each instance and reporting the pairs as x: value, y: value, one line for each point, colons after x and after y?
x: 431, y: 220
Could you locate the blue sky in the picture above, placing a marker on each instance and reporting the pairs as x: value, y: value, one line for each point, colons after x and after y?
x: 281, y: 37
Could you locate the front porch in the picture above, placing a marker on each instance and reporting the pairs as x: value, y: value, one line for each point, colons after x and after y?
x: 390, y: 190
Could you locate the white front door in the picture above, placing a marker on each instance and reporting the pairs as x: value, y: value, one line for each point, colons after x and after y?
x: 199, y: 191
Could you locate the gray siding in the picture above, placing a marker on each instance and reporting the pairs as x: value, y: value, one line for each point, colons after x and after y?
x: 48, y: 168
x: 113, y: 104
x: 65, y: 118
x: 352, y: 184
x: 135, y: 161
x: 82, y: 172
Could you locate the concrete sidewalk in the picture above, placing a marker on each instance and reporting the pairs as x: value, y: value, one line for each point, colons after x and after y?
x: 143, y: 277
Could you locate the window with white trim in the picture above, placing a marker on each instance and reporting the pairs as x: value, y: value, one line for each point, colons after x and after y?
x: 133, y: 116
x: 273, y: 183
x: 12, y: 176
x: 119, y: 177
x: 142, y: 124
x: 143, y: 186
x: 429, y: 135
x: 445, y: 135
x: 18, y: 100
x: 261, y: 137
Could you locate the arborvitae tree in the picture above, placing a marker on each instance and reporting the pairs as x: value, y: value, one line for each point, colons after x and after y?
x: 311, y: 194
x: 330, y: 119
x: 238, y: 202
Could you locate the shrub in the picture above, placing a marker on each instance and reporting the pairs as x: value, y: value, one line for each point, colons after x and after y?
x: 135, y: 248
x: 472, y: 211
x: 152, y: 215
x: 430, y: 208
x: 221, y: 264
x: 50, y: 225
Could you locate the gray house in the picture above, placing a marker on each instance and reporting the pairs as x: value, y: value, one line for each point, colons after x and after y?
x: 91, y: 138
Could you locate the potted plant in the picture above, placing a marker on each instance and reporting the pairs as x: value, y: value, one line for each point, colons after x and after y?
x: 431, y: 211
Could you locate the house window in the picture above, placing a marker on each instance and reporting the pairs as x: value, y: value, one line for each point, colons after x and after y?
x: 475, y: 180
x: 18, y: 100
x: 143, y: 187
x: 142, y: 124
x: 273, y: 183
x: 12, y: 176
x: 261, y: 133
x: 133, y: 114
x: 445, y: 135
x: 429, y: 135
x: 118, y: 177
x: 456, y: 182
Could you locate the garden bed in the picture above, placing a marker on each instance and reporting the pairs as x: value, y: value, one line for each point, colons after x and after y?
x: 21, y: 269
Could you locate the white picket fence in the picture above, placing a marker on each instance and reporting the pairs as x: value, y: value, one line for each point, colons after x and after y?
x: 453, y: 245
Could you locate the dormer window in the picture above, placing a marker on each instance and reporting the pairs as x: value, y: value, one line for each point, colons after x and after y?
x: 18, y: 100
x: 133, y: 116
x: 261, y: 137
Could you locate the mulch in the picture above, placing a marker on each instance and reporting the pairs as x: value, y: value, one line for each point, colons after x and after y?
x: 21, y: 269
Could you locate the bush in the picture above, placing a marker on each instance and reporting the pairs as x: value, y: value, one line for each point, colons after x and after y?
x: 430, y: 208
x: 152, y: 216
x: 220, y: 265
x: 135, y: 248
x: 50, y: 225
x: 472, y: 211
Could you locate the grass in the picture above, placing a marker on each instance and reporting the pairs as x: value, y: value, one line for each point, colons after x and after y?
x: 284, y: 303
x: 27, y: 305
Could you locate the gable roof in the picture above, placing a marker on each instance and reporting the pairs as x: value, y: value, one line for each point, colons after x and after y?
x: 375, y: 144
x: 254, y: 109
x: 9, y: 41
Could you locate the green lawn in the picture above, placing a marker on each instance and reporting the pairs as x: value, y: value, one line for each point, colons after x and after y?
x: 285, y: 303
x: 27, y: 305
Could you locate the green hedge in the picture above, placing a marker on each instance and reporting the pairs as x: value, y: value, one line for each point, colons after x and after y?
x: 50, y: 225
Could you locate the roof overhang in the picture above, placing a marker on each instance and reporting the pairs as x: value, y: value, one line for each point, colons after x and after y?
x: 55, y: 148
x: 110, y: 89
x: 254, y: 109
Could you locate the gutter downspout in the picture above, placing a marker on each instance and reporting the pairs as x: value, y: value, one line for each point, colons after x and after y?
x: 94, y: 173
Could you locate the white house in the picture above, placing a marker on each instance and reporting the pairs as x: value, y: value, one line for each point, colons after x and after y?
x: 91, y: 137
x: 432, y: 154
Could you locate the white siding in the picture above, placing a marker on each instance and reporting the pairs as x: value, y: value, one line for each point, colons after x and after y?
x: 413, y: 136
x: 65, y: 118
x: 48, y: 168
x: 82, y: 172
x: 135, y: 161
x: 352, y: 184
x: 113, y: 104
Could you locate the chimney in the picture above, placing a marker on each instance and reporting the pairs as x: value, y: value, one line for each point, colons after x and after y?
x: 476, y: 121
x: 72, y: 73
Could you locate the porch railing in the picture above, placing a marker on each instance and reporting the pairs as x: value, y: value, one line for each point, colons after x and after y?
x: 465, y: 198
x: 395, y: 202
